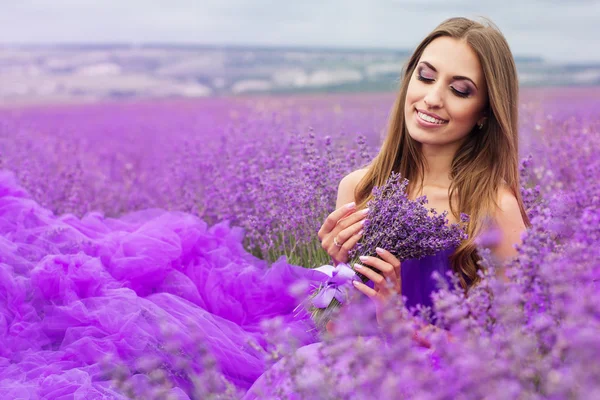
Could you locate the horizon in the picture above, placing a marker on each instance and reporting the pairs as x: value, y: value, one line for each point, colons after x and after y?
x: 232, y: 46
x: 63, y: 72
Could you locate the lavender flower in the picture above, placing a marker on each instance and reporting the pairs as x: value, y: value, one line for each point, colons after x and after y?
x: 404, y: 227
x: 256, y: 163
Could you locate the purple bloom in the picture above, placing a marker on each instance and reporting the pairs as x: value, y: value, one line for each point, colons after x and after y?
x: 404, y: 227
x: 69, y: 297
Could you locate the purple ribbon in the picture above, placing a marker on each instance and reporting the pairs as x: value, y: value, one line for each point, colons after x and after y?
x: 336, y: 286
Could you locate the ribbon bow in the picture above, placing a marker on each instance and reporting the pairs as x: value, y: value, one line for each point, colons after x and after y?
x: 336, y: 286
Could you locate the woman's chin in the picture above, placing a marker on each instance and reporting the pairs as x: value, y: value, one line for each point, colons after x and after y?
x: 423, y: 137
x: 432, y: 137
x: 432, y: 140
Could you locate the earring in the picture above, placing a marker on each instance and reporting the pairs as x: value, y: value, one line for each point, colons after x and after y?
x: 480, y: 126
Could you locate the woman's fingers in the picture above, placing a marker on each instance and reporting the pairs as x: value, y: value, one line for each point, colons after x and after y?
x: 346, y: 233
x: 347, y: 228
x: 341, y: 231
x: 388, y: 271
x: 350, y: 231
x: 340, y: 253
x: 389, y: 265
x: 385, y: 267
x: 333, y: 218
x: 377, y: 279
x: 390, y: 258
x: 351, y: 220
x: 361, y: 287
x: 349, y: 244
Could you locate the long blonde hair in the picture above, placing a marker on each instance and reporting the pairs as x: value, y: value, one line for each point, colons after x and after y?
x: 487, y: 158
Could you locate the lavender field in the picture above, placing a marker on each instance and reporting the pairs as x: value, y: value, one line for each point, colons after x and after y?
x: 143, y: 230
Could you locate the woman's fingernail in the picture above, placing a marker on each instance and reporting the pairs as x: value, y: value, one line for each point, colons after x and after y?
x: 379, y: 250
x: 365, y: 211
x: 361, y: 232
x: 355, y: 283
x: 363, y: 258
x: 350, y: 206
x: 364, y: 221
x: 358, y: 266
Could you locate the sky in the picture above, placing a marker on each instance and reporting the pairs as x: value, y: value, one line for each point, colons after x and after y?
x: 558, y: 31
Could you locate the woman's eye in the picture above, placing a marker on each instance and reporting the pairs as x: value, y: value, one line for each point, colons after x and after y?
x: 461, y: 94
x: 458, y: 92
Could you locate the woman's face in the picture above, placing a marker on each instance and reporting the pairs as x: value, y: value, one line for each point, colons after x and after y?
x: 448, y: 84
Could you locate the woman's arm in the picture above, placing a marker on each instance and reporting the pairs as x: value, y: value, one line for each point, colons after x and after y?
x: 345, y: 195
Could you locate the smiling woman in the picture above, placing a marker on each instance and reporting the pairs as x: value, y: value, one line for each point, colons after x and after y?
x: 453, y: 134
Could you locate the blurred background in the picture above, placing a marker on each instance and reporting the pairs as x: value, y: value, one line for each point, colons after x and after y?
x: 82, y: 50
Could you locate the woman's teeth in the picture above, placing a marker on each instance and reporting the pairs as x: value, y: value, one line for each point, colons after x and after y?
x: 427, y: 118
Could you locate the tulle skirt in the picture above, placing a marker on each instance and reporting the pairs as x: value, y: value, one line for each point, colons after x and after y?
x: 90, y: 307
x: 81, y: 298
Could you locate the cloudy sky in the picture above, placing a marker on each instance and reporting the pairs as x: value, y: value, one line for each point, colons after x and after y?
x: 556, y: 30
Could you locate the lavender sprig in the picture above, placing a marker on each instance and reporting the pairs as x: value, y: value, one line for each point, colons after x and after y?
x: 404, y: 227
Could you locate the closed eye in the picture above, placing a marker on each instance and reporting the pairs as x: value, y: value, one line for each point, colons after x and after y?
x: 458, y: 92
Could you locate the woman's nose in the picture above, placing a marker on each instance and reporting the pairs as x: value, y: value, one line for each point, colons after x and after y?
x: 433, y: 98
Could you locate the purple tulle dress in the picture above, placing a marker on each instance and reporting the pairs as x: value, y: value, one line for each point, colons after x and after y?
x: 417, y: 286
x: 79, y: 296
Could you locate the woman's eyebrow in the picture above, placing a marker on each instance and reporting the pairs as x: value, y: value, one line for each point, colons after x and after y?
x: 456, y: 77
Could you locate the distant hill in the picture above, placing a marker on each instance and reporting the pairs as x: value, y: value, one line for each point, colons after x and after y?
x: 90, y: 72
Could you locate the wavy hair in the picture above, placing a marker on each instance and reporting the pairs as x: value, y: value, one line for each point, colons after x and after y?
x: 486, y: 159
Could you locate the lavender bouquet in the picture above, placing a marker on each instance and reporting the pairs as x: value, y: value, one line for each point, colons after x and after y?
x: 404, y: 227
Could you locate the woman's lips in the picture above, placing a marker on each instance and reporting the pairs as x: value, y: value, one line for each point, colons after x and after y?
x: 431, y: 114
x: 427, y: 124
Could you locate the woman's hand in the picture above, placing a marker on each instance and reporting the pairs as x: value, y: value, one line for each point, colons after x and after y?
x: 341, y: 231
x: 386, y: 284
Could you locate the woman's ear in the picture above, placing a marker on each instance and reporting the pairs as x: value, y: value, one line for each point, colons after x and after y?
x: 482, y: 120
x: 483, y: 116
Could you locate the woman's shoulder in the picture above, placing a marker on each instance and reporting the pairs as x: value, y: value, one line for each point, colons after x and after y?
x: 354, y: 177
x: 506, y: 199
x: 348, y: 185
x: 510, y: 224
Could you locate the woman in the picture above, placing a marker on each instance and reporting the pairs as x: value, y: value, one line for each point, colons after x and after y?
x: 453, y: 135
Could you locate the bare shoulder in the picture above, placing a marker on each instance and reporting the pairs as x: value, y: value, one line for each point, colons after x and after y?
x: 509, y: 220
x: 347, y: 186
x: 353, y: 178
x: 507, y: 202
